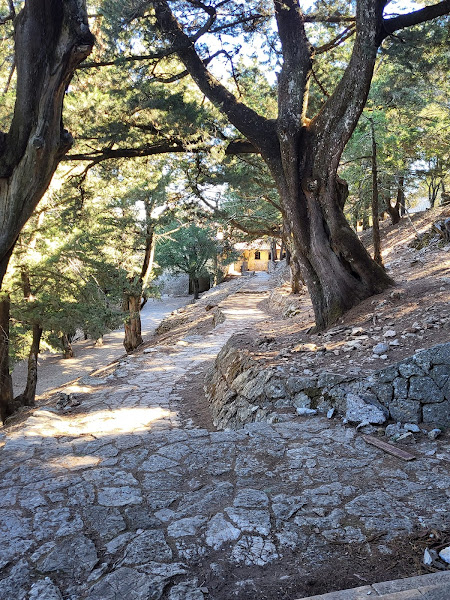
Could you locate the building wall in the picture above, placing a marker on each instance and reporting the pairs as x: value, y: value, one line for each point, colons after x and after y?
x: 251, y: 263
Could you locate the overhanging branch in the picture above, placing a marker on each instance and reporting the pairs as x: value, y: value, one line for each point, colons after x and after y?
x: 416, y: 17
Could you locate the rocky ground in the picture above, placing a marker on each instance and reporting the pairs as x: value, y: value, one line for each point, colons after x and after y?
x: 382, y: 330
x: 133, y: 494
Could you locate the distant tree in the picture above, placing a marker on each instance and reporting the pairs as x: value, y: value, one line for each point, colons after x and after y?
x: 191, y: 250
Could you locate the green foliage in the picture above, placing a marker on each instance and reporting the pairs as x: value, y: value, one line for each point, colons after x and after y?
x: 409, y: 106
x: 194, y: 251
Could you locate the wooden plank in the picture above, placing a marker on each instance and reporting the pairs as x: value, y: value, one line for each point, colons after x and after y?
x: 398, y: 452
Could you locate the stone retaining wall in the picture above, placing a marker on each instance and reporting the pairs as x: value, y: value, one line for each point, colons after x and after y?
x: 415, y: 390
x: 284, y: 302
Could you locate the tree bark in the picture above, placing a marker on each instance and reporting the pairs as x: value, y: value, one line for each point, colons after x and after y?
x: 66, y: 346
x: 196, y: 286
x: 375, y: 201
x: 273, y: 250
x: 27, y: 398
x: 397, y: 210
x: 6, y: 389
x: 52, y: 38
x: 133, y: 338
x: 296, y: 276
x: 133, y: 302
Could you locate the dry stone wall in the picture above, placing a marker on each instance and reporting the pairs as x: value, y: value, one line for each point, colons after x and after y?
x: 415, y: 390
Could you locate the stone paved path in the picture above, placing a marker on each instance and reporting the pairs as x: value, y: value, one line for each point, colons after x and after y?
x: 126, y: 499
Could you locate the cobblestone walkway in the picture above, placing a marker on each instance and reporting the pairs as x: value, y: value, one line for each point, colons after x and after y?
x: 126, y: 499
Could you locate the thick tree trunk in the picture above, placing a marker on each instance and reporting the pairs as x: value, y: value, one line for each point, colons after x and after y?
x: 52, y: 38
x: 6, y: 389
x: 133, y: 337
x: 28, y: 396
x: 66, y: 346
x: 336, y: 267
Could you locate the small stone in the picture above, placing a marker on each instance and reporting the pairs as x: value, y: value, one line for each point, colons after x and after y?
x: 411, y: 427
x: 434, y: 433
x: 303, y: 412
x: 380, y: 348
x: 186, y: 527
x: 393, y: 430
x: 357, y: 331
x: 150, y: 545
x: 121, y: 496
x: 394, y: 342
x: 390, y: 333
x: 186, y: 591
x: 123, y: 583
x: 330, y: 413
x: 220, y: 531
x: 75, y: 556
x: 445, y: 554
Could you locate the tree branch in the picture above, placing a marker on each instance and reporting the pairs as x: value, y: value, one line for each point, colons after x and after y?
x: 336, y: 121
x: 293, y: 81
x: 337, y: 41
x: 236, y: 147
x: 256, y: 128
x: 331, y: 19
x: 415, y: 18
x: 98, y: 156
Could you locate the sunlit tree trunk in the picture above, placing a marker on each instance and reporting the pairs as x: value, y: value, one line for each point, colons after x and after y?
x: 27, y: 398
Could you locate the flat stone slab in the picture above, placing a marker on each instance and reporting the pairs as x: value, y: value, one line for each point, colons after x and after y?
x: 433, y: 586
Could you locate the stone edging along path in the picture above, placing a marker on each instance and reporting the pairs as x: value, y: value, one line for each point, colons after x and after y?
x: 415, y: 390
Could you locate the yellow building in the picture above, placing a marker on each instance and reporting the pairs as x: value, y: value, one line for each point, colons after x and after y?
x: 254, y: 256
